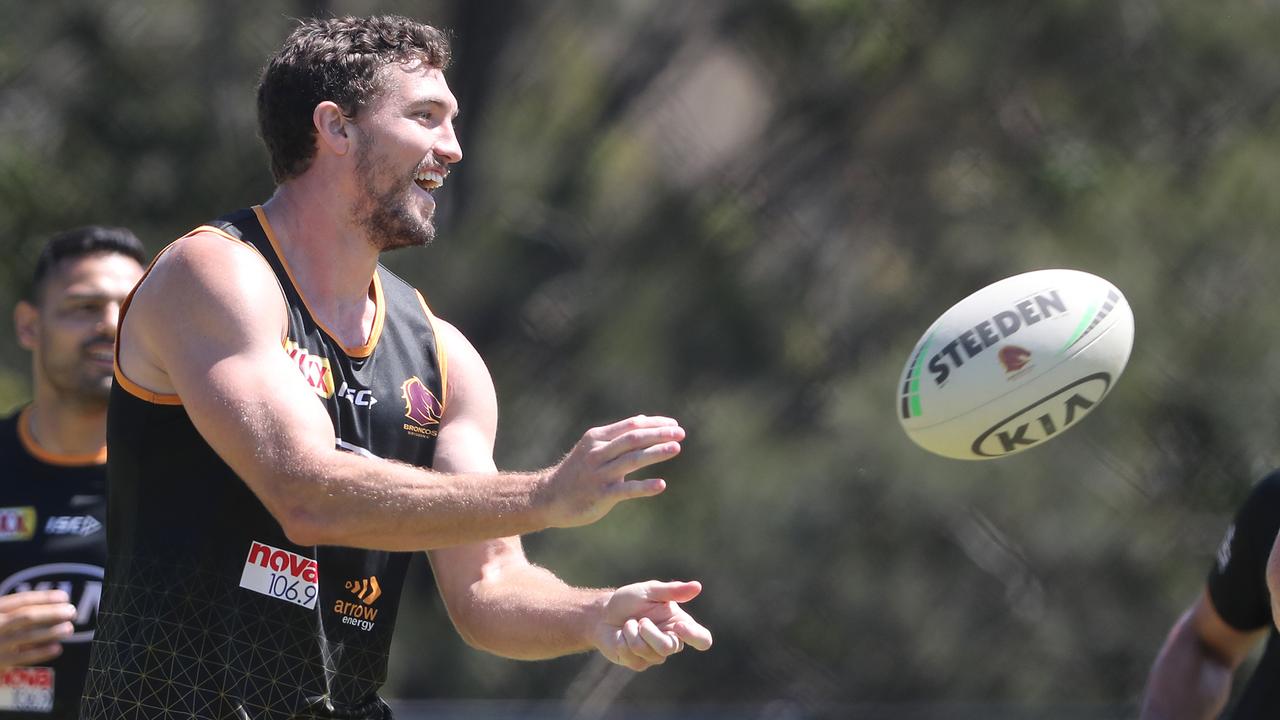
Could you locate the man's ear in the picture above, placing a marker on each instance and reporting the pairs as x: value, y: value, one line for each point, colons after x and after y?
x: 26, y: 324
x: 332, y: 127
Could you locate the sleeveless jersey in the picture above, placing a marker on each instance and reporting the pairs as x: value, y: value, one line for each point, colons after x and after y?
x: 52, y: 509
x: 1237, y: 587
x: 208, y: 609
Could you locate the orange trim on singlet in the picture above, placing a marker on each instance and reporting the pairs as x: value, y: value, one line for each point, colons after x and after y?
x: 442, y: 357
x: 379, y: 303
x: 134, y: 388
x: 123, y: 380
x: 49, y: 457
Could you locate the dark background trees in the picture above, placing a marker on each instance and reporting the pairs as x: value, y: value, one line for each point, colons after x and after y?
x: 744, y: 214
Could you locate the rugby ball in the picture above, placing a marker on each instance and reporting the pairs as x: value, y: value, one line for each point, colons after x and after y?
x: 1015, y: 364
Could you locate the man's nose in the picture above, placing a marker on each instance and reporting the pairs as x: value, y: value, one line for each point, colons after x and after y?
x: 109, y: 319
x: 449, y: 149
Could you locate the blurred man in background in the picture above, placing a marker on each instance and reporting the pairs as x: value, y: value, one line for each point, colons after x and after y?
x: 279, y: 397
x: 1192, y: 675
x: 53, y: 470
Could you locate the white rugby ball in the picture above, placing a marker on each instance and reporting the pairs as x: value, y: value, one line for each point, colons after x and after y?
x: 1015, y: 364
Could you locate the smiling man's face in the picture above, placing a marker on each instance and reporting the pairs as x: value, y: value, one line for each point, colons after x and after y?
x: 405, y: 148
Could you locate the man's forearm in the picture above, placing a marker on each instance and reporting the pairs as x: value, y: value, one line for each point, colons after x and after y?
x: 1187, y: 682
x: 525, y: 612
x: 342, y: 499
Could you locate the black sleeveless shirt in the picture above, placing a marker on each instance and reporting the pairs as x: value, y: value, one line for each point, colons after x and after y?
x: 52, y: 509
x: 1237, y: 586
x: 208, y: 610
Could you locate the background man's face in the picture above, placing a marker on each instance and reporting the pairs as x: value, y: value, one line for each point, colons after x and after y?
x: 72, y: 329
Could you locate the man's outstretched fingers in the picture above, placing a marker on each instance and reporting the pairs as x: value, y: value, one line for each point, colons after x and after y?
x: 38, y: 634
x: 636, y: 422
x: 693, y: 634
x: 646, y: 437
x: 635, y: 489
x: 9, y: 603
x: 662, y: 643
x: 631, y: 630
x: 35, y: 616
x: 675, y: 591
x: 634, y: 460
x: 33, y: 655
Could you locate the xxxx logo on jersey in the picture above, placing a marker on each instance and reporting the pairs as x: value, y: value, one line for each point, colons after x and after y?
x: 315, y: 369
x: 422, y: 407
x: 17, y: 523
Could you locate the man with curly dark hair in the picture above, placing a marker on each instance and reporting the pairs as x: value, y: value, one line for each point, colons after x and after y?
x: 290, y: 421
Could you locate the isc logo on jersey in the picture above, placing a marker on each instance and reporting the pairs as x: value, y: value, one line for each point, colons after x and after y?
x: 81, y: 582
x: 357, y: 396
x: 315, y: 369
x: 281, y: 574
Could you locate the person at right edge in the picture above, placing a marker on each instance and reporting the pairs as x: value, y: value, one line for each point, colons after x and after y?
x: 1192, y: 674
x: 289, y: 422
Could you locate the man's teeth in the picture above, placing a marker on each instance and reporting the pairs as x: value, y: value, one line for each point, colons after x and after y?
x: 430, y: 179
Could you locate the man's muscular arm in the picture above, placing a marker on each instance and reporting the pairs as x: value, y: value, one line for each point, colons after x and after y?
x: 502, y: 603
x: 1191, y: 677
x: 207, y: 324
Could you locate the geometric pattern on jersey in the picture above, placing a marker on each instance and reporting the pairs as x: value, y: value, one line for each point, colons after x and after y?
x: 244, y: 656
x: 194, y: 624
x: 64, y: 548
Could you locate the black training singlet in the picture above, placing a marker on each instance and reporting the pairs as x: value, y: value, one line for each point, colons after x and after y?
x: 51, y: 512
x: 209, y: 610
x: 1238, y: 589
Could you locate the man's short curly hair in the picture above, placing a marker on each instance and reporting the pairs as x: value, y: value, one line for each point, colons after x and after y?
x: 337, y: 59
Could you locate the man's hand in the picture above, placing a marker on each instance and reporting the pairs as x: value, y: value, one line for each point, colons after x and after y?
x: 644, y: 624
x: 31, y: 624
x: 591, y: 479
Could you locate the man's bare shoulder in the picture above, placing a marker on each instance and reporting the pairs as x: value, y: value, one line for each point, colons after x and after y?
x: 469, y: 390
x: 464, y: 361
x: 209, y: 261
x: 203, y: 288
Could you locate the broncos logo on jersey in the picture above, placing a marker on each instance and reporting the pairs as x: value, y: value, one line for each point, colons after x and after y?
x: 420, y: 404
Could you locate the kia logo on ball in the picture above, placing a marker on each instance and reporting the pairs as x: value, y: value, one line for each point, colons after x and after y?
x: 1043, y: 419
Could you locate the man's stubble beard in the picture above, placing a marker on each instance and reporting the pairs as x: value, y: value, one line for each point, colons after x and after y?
x: 77, y: 385
x: 383, y: 213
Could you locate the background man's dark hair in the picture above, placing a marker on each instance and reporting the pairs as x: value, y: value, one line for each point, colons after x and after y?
x: 337, y: 59
x: 82, y: 241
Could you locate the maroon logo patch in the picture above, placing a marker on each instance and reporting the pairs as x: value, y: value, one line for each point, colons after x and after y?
x: 1014, y: 358
x: 420, y: 404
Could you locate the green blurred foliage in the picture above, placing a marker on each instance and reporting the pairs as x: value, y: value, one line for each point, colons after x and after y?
x: 744, y: 215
